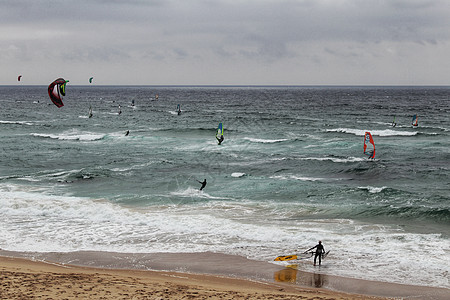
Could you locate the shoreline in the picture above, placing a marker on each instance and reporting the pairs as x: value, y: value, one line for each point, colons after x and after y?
x: 217, y: 267
x: 22, y: 279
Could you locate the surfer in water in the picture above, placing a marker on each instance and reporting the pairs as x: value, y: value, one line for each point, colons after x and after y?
x: 203, y: 184
x: 320, y: 250
x: 220, y: 139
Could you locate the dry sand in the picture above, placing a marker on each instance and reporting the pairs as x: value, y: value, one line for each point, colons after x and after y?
x: 26, y: 279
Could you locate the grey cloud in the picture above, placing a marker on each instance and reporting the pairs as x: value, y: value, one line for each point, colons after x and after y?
x: 222, y: 32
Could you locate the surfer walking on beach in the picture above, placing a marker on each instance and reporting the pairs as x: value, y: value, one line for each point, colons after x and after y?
x: 319, y: 251
x: 203, y: 184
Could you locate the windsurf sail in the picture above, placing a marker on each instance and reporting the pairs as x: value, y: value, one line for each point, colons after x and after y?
x: 415, y: 120
x: 219, y: 134
x: 178, y: 109
x: 90, y: 111
x: 369, y: 145
x: 219, y: 131
x: 56, y: 91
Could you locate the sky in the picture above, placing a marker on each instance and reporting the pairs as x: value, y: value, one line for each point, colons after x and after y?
x: 226, y: 42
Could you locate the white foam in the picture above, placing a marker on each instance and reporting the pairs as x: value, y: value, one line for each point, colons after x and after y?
x: 301, y: 178
x: 16, y: 122
x: 193, y: 192
x: 264, y: 141
x: 336, y: 159
x: 40, y: 219
x: 386, y: 132
x: 372, y: 189
x: 72, y: 135
x: 237, y: 174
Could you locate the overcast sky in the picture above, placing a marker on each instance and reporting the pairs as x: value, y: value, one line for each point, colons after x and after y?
x: 226, y: 42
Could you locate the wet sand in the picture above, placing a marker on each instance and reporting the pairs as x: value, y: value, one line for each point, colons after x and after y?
x: 105, y: 275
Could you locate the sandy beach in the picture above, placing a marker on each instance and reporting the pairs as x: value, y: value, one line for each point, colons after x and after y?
x: 25, y: 279
x: 127, y: 276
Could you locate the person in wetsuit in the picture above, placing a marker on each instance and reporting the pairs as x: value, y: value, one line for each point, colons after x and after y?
x: 203, y: 184
x: 320, y: 250
x: 220, y: 140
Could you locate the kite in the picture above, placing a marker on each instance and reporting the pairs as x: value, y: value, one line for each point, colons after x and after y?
x: 56, y: 91
x: 18, y: 78
x: 90, y: 79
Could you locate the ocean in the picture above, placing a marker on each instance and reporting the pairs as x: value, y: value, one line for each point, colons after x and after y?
x: 291, y: 171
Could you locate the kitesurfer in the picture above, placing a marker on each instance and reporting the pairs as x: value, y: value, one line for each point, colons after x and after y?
x: 220, y: 140
x: 203, y: 184
x: 320, y: 250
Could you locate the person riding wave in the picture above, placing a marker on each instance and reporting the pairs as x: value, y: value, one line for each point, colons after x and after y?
x: 203, y: 184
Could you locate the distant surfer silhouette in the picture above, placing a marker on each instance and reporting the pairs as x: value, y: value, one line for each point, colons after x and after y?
x: 320, y: 250
x: 203, y: 184
x: 127, y: 133
x: 220, y: 140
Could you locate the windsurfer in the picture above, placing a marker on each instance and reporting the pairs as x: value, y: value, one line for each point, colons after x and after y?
x: 203, y: 184
x: 320, y: 250
x: 220, y: 140
x: 127, y: 133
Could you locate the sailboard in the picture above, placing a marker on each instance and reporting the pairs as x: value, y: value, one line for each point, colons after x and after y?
x: 415, y: 121
x: 178, y: 109
x: 286, y: 257
x: 393, y: 123
x: 369, y: 145
x: 90, y: 112
x: 294, y: 256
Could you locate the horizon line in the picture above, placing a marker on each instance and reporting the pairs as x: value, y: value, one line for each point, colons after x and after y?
x: 240, y: 85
